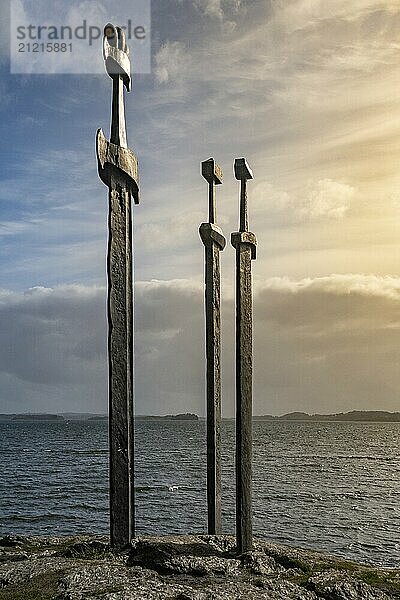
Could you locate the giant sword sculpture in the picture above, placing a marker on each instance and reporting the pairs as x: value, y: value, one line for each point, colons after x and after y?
x: 118, y: 169
x: 214, y: 241
x: 245, y: 244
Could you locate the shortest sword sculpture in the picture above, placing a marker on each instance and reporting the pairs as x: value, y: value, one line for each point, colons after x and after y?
x: 118, y: 169
x: 245, y: 244
x: 214, y: 241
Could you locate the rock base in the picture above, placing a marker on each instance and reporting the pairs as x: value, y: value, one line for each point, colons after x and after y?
x: 181, y: 568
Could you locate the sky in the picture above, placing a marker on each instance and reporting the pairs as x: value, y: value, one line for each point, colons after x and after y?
x: 308, y: 92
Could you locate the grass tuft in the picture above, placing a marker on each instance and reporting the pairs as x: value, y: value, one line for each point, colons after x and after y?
x: 41, y: 587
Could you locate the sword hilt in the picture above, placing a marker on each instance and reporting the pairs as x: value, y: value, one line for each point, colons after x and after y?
x: 243, y: 173
x: 118, y: 67
x: 213, y: 174
x: 243, y: 236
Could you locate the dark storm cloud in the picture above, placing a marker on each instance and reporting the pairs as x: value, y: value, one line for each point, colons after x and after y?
x: 52, y: 336
x: 324, y: 344
x: 328, y: 344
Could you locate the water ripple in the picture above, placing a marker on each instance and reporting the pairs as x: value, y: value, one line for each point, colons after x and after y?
x: 327, y: 486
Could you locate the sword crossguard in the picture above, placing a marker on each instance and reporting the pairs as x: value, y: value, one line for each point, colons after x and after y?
x: 116, y: 54
x: 211, y: 234
x: 118, y: 161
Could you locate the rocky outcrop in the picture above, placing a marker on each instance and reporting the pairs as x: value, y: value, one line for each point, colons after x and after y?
x: 181, y: 568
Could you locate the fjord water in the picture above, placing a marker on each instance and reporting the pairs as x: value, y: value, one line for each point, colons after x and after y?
x: 327, y: 486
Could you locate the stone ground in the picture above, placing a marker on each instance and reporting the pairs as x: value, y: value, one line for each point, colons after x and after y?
x: 181, y: 568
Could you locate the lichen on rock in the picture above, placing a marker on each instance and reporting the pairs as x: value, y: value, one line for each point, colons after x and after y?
x: 181, y: 568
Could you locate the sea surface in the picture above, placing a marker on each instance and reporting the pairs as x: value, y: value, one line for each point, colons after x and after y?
x: 327, y: 486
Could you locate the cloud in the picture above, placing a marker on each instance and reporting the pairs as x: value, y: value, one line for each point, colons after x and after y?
x: 350, y: 291
x: 211, y: 8
x: 12, y: 228
x: 51, y: 336
x: 328, y: 344
x: 224, y: 12
x: 54, y: 340
x: 323, y: 344
x: 321, y: 200
x: 170, y: 62
x: 348, y: 282
x: 181, y: 229
x: 309, y: 89
x: 327, y: 199
x: 53, y: 226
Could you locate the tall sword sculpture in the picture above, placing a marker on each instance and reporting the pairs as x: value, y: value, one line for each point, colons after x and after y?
x: 245, y: 244
x: 214, y: 241
x: 118, y: 169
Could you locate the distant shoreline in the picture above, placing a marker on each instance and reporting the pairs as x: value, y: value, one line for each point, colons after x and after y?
x: 360, y: 416
x: 49, y: 418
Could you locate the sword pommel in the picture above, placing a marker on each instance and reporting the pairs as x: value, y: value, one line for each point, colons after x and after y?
x: 211, y: 171
x: 242, y: 169
x: 116, y: 54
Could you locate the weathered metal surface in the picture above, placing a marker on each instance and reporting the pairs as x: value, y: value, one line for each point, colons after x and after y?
x: 120, y: 352
x: 245, y: 238
x: 214, y: 241
x: 245, y: 244
x: 118, y: 169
